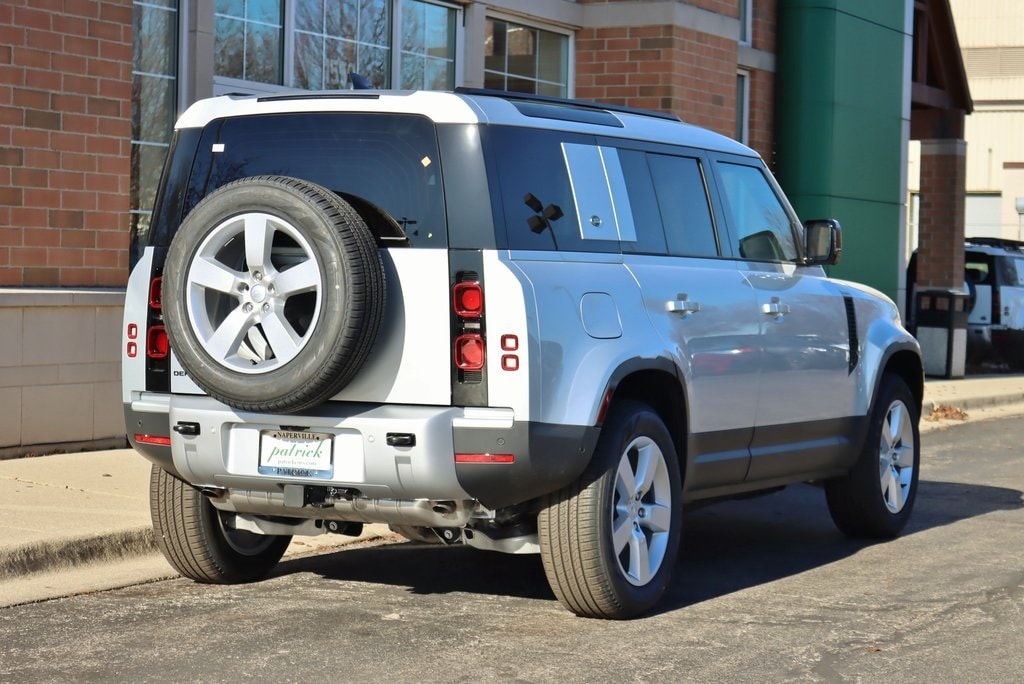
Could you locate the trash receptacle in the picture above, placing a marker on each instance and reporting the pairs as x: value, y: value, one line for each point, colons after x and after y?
x: 941, y: 318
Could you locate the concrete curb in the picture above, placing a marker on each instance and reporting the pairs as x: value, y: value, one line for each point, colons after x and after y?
x: 71, y: 552
x: 969, y: 403
x: 67, y: 553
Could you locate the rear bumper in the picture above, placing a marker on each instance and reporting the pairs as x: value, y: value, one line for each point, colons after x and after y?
x: 224, y: 454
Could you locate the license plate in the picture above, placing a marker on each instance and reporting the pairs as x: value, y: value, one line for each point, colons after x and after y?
x: 299, y: 454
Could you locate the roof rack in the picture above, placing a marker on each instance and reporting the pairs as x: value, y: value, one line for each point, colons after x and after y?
x: 564, y: 102
x: 996, y: 242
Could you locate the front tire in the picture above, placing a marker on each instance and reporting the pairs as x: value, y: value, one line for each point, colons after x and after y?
x: 875, y: 499
x: 192, y: 535
x: 609, y: 540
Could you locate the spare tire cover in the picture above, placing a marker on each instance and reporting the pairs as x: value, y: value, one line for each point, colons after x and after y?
x: 273, y: 293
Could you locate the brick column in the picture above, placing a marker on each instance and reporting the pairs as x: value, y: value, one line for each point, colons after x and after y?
x: 940, y: 252
x: 65, y: 133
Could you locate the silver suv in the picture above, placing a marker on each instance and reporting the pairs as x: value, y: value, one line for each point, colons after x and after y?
x: 523, y: 324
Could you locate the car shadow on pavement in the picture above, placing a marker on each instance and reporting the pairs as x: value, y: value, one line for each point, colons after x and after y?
x: 727, y: 547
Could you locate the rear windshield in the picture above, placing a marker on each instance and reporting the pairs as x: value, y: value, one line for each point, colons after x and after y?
x: 389, y: 160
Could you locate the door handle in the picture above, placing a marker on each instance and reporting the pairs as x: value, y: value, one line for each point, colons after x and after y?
x: 682, y: 305
x: 775, y: 308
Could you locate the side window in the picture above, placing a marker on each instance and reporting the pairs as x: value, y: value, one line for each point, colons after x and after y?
x: 536, y: 191
x: 683, y: 203
x: 976, y: 270
x: 650, y: 237
x: 758, y: 219
x: 1013, y: 271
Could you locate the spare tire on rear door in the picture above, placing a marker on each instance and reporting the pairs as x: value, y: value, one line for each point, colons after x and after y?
x: 273, y: 292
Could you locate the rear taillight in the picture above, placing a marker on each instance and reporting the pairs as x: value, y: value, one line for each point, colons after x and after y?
x: 997, y: 306
x: 468, y: 340
x: 469, y: 352
x: 157, y: 346
x: 468, y: 300
x: 156, y: 293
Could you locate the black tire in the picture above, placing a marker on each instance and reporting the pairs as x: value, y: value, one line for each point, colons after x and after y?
x: 578, y: 523
x: 282, y: 322
x: 190, y: 533
x: 875, y: 499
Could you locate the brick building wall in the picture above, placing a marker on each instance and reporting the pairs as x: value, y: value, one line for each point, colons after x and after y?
x: 682, y: 69
x: 65, y: 131
x: 943, y: 176
x: 65, y: 134
x: 762, y: 83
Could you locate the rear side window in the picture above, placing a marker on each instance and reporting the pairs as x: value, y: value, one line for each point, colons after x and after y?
x: 388, y: 160
x: 536, y: 193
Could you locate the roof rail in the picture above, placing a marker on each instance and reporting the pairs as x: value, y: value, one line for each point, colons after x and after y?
x: 564, y: 102
x: 996, y: 242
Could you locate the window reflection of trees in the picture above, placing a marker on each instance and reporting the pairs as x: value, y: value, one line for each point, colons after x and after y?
x: 334, y: 38
x: 154, y: 103
x: 248, y: 40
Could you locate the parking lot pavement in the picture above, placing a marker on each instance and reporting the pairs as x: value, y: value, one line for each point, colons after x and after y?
x: 66, y: 510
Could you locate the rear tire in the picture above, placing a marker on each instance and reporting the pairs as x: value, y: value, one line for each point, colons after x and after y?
x: 609, y: 540
x: 191, y: 534
x: 875, y: 498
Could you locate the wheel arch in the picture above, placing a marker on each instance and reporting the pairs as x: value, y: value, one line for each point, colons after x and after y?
x: 656, y: 383
x: 905, y: 363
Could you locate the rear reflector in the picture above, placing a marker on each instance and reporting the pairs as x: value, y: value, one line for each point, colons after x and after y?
x: 157, y: 346
x: 485, y: 458
x: 469, y: 352
x: 153, y: 439
x: 468, y: 300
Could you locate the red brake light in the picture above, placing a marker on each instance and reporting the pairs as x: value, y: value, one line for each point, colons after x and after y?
x: 485, y: 458
x: 156, y: 293
x: 157, y: 346
x: 469, y: 352
x: 153, y: 439
x: 468, y: 300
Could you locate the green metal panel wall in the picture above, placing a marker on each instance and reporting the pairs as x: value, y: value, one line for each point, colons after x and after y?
x: 841, y: 125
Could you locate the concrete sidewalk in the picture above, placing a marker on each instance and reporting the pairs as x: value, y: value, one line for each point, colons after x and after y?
x: 67, y: 510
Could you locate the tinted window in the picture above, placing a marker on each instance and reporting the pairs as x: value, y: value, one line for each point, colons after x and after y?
x: 683, y: 204
x: 650, y: 237
x: 536, y: 199
x: 388, y: 160
x: 1012, y: 271
x: 759, y: 222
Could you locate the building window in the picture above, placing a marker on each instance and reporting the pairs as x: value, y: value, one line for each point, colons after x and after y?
x: 247, y: 39
x: 335, y: 38
x: 746, y: 21
x: 428, y: 46
x: 525, y: 59
x: 154, y: 100
x: 743, y: 106
x: 316, y: 44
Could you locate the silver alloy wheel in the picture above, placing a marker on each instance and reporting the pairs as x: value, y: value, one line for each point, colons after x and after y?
x: 896, y: 456
x: 243, y: 288
x: 641, y: 511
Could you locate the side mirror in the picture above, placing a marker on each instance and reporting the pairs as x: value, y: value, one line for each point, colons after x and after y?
x: 823, y: 241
